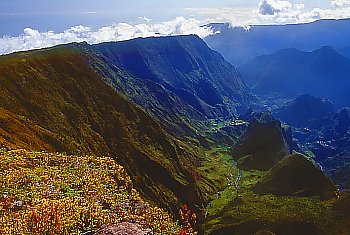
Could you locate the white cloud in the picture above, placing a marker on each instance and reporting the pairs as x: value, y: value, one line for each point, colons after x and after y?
x: 233, y: 16
x: 271, y: 7
x: 340, y: 3
x: 317, y: 13
x: 284, y: 12
x: 146, y: 19
x: 89, y: 12
x: 33, y: 39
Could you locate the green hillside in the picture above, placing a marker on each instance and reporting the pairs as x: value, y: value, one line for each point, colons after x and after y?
x: 58, y: 90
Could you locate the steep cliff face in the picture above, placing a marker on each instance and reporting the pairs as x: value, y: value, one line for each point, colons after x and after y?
x: 172, y: 112
x: 184, y: 66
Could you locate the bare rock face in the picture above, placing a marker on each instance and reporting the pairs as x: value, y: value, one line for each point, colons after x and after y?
x: 123, y: 229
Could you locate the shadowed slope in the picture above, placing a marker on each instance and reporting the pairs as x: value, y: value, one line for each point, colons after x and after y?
x: 187, y: 67
x: 262, y: 145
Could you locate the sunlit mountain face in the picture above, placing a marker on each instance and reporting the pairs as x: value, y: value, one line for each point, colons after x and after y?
x: 175, y: 117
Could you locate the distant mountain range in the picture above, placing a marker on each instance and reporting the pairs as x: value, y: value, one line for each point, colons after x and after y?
x: 239, y: 45
x: 290, y: 72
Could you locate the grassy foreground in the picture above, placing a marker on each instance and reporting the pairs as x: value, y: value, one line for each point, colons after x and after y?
x: 52, y: 193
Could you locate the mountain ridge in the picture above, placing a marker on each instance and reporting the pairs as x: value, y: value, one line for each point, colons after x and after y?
x: 185, y: 66
x: 290, y: 72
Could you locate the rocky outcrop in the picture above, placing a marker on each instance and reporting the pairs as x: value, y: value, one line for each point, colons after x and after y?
x: 262, y: 145
x: 297, y: 176
x: 123, y: 229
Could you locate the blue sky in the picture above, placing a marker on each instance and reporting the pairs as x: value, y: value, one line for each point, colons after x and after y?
x: 59, y: 15
x: 28, y: 24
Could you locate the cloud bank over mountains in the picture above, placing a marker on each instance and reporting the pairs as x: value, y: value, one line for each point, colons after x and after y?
x: 340, y: 3
x: 33, y: 39
x: 276, y: 12
x: 267, y: 12
x: 283, y: 12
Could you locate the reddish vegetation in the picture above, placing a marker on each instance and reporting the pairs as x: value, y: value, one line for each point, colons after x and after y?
x: 189, y: 219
